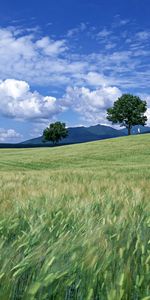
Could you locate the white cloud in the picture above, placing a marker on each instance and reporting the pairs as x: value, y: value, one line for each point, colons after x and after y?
x: 41, y: 61
x: 17, y: 101
x: 46, y: 61
x: 110, y: 45
x: 119, y: 22
x: 143, y: 35
x: 104, y: 33
x: 146, y: 97
x: 91, y: 104
x: 96, y: 79
x: 74, y: 31
x: 51, y: 47
x: 148, y: 116
x: 7, y: 135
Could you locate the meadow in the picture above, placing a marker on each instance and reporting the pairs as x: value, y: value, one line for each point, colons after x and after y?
x: 75, y: 221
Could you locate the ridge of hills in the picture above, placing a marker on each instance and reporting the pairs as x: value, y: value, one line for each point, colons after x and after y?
x: 80, y: 135
x: 86, y: 134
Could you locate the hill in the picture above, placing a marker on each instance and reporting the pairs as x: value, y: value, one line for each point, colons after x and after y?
x: 83, y: 134
x: 74, y: 221
x: 80, y: 135
x: 87, y: 134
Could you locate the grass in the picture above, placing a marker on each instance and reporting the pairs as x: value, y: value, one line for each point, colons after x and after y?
x: 75, y: 221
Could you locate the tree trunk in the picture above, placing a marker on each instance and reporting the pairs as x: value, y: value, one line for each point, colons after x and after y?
x: 129, y: 130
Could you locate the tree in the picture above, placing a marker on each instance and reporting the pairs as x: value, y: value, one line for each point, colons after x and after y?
x: 128, y: 111
x: 55, y: 132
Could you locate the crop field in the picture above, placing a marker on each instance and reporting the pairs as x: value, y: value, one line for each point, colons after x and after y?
x: 75, y: 221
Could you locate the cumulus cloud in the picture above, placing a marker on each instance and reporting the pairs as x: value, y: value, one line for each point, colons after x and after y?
x: 41, y: 61
x: 45, y: 61
x: 7, y: 135
x: 96, y: 79
x: 17, y: 101
x: 91, y: 104
x: 50, y: 47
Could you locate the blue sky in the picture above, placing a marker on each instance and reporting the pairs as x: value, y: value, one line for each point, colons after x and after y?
x: 69, y: 60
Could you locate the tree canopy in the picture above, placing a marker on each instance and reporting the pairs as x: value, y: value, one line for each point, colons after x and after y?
x: 55, y: 132
x: 128, y: 111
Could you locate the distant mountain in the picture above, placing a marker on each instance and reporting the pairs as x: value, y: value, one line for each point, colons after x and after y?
x: 87, y: 134
x: 81, y: 135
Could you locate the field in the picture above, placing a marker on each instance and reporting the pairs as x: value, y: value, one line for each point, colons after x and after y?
x: 75, y: 221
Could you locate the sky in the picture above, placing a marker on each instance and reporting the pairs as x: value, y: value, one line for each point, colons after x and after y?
x: 68, y: 61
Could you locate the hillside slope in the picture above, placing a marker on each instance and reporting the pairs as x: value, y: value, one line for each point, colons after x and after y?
x: 75, y: 220
x: 83, y: 134
x: 120, y: 151
x: 87, y: 134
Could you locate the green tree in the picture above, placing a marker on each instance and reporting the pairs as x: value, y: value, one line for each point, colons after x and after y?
x: 128, y: 111
x: 55, y: 132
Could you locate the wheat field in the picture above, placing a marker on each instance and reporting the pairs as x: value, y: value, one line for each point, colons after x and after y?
x: 75, y: 221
